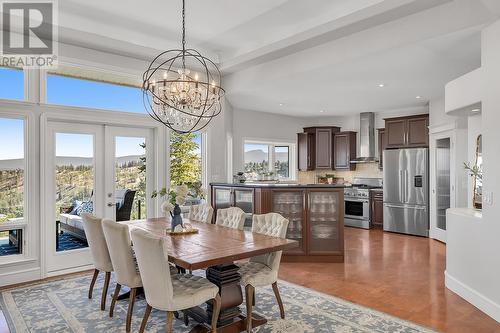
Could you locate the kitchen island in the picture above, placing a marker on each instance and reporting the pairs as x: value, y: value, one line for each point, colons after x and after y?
x: 315, y: 212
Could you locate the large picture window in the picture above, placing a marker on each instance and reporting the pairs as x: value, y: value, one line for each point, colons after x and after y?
x: 268, y: 160
x: 12, y: 185
x: 65, y: 90
x: 12, y: 83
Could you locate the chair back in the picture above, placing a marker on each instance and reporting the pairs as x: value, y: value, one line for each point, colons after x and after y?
x: 121, y: 253
x: 232, y: 217
x: 201, y: 213
x: 152, y: 258
x: 123, y: 212
x: 271, y: 224
x: 97, y: 243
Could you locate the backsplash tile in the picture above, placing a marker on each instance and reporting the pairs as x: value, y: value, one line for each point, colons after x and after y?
x: 367, y: 170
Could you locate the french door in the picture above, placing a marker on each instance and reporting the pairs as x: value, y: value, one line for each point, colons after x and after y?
x: 97, y: 169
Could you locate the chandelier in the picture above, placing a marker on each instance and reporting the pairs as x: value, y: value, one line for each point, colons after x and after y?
x: 182, y: 88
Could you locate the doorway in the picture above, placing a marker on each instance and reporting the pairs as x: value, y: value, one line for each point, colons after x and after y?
x: 442, y: 187
x: 97, y: 169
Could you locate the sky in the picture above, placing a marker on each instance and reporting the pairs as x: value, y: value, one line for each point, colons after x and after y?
x: 69, y: 91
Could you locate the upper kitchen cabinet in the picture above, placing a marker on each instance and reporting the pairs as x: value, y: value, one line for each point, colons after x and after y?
x: 306, y: 151
x: 407, y: 132
x: 323, y: 145
x: 344, y: 150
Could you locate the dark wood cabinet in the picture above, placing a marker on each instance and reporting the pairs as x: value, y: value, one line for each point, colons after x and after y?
x: 377, y: 209
x: 306, y: 151
x: 315, y: 215
x: 344, y: 150
x: 315, y: 147
x: 381, y: 147
x: 407, y: 132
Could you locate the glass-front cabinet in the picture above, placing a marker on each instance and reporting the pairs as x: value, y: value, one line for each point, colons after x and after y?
x: 222, y: 197
x: 290, y: 204
x: 244, y: 199
x: 325, y: 231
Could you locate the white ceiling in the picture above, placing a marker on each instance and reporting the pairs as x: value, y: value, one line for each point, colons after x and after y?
x: 307, y: 55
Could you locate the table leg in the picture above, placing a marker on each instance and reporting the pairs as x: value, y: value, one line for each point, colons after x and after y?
x: 231, y: 320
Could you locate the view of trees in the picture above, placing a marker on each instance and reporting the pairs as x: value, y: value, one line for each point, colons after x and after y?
x: 11, y: 194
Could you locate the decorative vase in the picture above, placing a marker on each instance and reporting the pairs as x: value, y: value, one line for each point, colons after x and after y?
x: 176, y: 217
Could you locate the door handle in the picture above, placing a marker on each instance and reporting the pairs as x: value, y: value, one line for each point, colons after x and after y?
x: 110, y: 204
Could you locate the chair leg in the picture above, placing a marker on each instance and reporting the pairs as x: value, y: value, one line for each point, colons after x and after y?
x: 253, y: 298
x: 105, y: 290
x: 131, y: 299
x: 278, y: 298
x: 170, y: 319
x: 113, y: 301
x: 249, y: 290
x: 185, y: 317
x: 92, y: 284
x: 145, y: 318
x: 215, y: 313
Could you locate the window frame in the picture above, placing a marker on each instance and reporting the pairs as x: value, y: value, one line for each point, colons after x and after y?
x: 24, y: 112
x: 272, y: 144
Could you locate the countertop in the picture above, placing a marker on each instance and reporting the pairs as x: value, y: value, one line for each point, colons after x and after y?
x: 280, y: 185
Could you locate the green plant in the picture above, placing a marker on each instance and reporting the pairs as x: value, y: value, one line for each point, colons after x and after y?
x: 474, y: 170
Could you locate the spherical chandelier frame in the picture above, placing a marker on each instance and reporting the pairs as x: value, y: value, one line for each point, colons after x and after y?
x: 167, y: 71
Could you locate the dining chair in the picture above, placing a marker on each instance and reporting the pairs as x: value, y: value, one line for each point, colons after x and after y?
x: 100, y: 254
x: 263, y: 270
x: 167, y: 292
x: 201, y: 213
x: 232, y: 217
x: 124, y: 263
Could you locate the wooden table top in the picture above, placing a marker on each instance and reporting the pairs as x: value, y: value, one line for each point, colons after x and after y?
x: 213, y: 244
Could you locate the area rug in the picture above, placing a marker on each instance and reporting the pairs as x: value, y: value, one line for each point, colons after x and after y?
x: 63, y: 306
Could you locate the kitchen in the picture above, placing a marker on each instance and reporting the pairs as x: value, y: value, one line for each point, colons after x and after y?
x: 328, y: 159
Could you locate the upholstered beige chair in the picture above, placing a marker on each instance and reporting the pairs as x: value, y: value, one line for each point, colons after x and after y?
x: 168, y: 292
x: 123, y: 259
x: 232, y: 217
x: 201, y: 213
x: 100, y: 254
x: 263, y: 270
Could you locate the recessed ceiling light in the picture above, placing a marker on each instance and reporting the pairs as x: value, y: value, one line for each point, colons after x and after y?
x: 281, y: 104
x: 381, y: 85
x: 321, y: 111
x: 475, y: 110
x: 418, y: 97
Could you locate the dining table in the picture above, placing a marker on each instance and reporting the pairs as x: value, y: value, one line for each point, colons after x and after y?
x: 215, y: 249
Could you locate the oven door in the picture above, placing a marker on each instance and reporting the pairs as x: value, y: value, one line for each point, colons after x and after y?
x: 357, y: 209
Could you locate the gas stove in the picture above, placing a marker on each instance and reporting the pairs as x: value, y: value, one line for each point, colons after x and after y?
x: 357, y: 202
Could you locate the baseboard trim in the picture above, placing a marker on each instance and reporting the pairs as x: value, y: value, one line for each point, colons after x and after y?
x: 472, y: 296
x: 70, y: 270
x: 21, y: 276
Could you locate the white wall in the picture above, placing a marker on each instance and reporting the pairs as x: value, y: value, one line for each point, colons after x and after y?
x: 473, y: 261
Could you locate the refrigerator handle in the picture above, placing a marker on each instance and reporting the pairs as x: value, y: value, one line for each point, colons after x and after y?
x: 406, y: 185
x: 400, y: 188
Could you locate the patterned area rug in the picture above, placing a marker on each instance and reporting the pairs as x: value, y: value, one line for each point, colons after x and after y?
x: 63, y: 306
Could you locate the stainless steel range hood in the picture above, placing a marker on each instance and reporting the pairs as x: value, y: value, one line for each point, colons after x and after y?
x: 366, y: 152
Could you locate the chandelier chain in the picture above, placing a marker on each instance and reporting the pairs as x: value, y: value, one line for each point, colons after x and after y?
x: 184, y: 34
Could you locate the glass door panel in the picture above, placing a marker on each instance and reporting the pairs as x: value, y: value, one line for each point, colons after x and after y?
x: 442, y: 181
x: 244, y: 199
x: 290, y: 204
x: 130, y: 178
x: 222, y: 198
x: 74, y: 178
x: 324, y: 222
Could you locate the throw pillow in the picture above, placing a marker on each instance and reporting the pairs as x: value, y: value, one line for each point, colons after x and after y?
x: 85, y: 207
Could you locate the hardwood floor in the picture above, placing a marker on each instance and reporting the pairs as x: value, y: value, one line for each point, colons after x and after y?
x: 397, y: 274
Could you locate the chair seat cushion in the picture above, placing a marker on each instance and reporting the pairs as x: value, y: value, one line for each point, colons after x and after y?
x: 191, y: 290
x: 256, y: 274
x: 72, y: 220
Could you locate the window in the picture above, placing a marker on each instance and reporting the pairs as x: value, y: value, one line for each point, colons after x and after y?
x: 268, y: 160
x: 65, y: 90
x: 186, y: 164
x: 12, y: 83
x: 12, y: 182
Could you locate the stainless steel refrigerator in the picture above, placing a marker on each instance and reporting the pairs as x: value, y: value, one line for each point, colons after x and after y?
x: 406, y: 191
